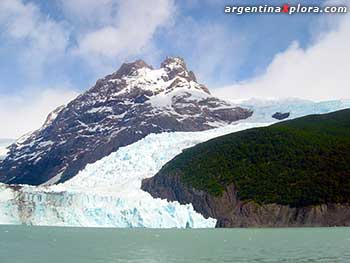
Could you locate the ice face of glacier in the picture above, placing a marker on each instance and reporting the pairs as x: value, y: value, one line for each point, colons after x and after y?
x: 107, y: 193
x: 8, y: 207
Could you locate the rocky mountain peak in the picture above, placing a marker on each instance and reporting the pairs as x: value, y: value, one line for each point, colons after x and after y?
x: 52, y: 116
x: 128, y: 69
x: 173, y: 61
x: 176, y: 66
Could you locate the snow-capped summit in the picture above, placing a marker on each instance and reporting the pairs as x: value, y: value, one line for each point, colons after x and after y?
x: 118, y: 110
x: 127, y: 69
x: 175, y: 66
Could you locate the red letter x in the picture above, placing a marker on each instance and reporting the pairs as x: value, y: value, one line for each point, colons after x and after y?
x: 285, y: 8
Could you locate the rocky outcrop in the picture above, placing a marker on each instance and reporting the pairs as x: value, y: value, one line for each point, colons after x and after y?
x: 120, y: 109
x: 281, y: 115
x: 232, y: 212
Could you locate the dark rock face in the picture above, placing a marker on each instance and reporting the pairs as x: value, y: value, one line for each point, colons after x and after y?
x: 120, y: 109
x: 232, y: 212
x: 281, y: 116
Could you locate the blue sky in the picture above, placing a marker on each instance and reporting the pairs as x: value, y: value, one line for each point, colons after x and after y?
x: 243, y: 45
x: 52, y: 50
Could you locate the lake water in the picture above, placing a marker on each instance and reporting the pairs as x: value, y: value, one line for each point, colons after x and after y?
x: 21, y: 244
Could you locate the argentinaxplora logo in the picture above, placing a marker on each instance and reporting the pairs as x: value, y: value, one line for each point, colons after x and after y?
x: 285, y: 9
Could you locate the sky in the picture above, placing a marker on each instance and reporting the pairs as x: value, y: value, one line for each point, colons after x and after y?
x: 50, y: 51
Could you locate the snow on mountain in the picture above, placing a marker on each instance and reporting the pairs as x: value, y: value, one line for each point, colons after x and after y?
x: 4, y: 143
x: 3, y: 152
x: 118, y: 110
x: 107, y: 193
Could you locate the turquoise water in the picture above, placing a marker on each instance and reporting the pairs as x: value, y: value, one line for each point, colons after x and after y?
x: 49, y: 244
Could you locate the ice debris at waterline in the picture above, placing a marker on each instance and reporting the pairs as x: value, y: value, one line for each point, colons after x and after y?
x: 107, y: 193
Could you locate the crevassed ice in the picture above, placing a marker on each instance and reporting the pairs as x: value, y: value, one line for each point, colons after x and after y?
x: 107, y: 193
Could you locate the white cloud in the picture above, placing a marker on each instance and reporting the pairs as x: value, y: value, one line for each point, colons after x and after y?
x: 209, y: 47
x: 25, y: 113
x: 36, y: 41
x: 42, y: 39
x: 103, y: 32
x: 129, y: 32
x: 89, y: 13
x: 216, y: 52
x: 320, y: 72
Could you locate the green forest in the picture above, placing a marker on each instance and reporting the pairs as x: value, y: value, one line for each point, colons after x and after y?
x: 305, y: 161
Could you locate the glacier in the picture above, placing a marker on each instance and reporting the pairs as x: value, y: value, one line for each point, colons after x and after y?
x: 264, y: 109
x: 108, y: 192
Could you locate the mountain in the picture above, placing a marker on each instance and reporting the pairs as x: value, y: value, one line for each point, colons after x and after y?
x: 119, y: 110
x: 108, y: 192
x: 293, y: 173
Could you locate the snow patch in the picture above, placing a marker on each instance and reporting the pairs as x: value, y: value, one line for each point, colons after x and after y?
x: 3, y: 152
x: 164, y: 100
x: 4, y: 143
x: 100, y: 109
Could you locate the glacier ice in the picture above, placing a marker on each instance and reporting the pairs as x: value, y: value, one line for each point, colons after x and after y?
x: 264, y: 109
x: 107, y: 193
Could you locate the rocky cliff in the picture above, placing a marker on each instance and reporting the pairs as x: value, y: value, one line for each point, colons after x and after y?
x: 232, y: 212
